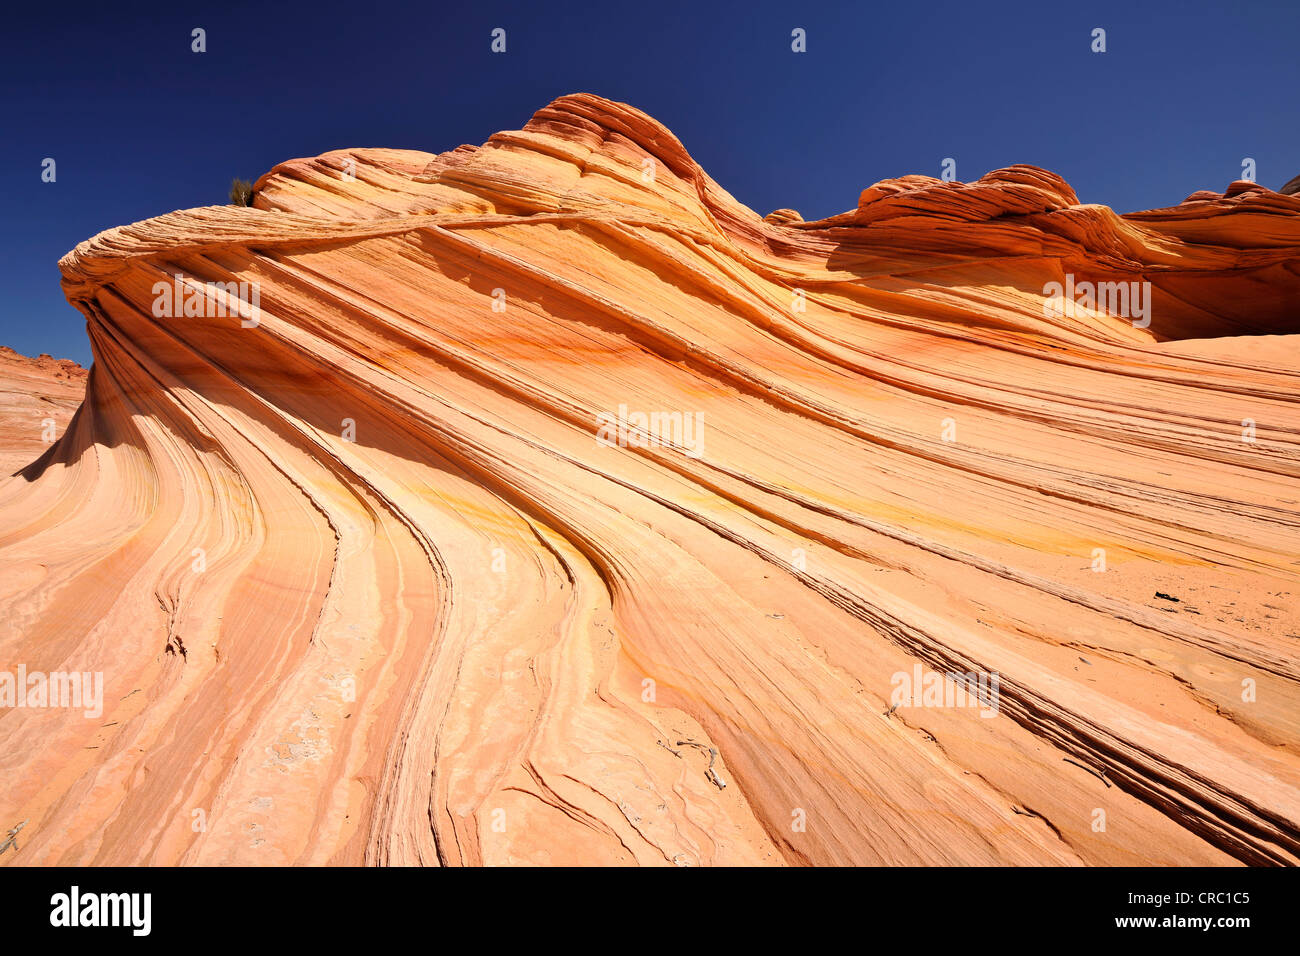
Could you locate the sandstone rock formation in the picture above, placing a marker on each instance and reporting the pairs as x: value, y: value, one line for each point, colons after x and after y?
x: 394, y: 565
x: 37, y: 399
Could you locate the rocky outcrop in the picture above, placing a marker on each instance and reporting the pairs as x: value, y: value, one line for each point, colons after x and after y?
x: 37, y: 399
x: 539, y: 502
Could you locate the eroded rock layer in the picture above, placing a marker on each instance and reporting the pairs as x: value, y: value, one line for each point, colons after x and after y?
x: 396, y: 564
x: 38, y: 397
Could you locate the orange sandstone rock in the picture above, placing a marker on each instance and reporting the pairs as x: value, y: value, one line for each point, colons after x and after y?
x: 37, y: 399
x: 541, y: 510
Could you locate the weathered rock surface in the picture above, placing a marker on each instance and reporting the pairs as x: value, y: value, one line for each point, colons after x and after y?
x: 38, y: 397
x: 366, y: 585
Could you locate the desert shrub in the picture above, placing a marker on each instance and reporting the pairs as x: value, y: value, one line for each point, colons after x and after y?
x: 241, y: 193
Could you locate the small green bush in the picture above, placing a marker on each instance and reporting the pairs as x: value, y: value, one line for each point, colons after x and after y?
x: 241, y: 193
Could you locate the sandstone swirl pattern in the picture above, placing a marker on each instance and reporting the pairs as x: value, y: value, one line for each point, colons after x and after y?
x: 431, y: 644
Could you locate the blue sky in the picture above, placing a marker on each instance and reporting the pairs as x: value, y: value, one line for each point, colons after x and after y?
x: 139, y: 125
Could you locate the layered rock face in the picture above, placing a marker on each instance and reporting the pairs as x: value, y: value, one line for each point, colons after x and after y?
x: 37, y: 399
x: 538, y: 502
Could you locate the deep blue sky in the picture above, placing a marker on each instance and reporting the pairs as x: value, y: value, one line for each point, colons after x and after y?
x: 139, y: 125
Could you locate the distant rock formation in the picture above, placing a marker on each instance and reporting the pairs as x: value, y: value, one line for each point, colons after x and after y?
x: 37, y: 399
x: 538, y: 502
x: 783, y: 217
